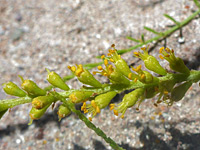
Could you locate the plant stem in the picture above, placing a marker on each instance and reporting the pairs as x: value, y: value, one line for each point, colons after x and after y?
x: 9, y: 103
x: 162, y: 35
x: 90, y: 125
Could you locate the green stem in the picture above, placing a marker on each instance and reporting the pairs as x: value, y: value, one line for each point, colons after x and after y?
x: 164, y: 34
x: 9, y: 103
x: 90, y: 125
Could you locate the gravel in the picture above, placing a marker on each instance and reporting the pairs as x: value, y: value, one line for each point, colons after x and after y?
x: 35, y: 35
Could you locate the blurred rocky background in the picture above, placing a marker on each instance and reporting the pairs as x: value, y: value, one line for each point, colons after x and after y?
x: 35, y: 35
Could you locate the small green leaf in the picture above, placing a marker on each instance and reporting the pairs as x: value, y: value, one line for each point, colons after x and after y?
x: 172, y: 19
x: 151, y: 30
x: 197, y: 3
x: 142, y: 38
x: 132, y: 39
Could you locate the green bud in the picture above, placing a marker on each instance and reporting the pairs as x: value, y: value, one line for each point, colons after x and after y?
x: 179, y: 66
x: 42, y: 101
x: 84, y: 76
x: 150, y: 62
x: 54, y: 79
x: 131, y: 98
x: 103, y: 100
x: 37, y: 113
x: 12, y: 89
x: 63, y: 111
x: 179, y: 92
x: 80, y: 96
x: 117, y: 78
x: 122, y: 66
x: 128, y: 101
x: 175, y: 63
x: 31, y: 88
x: 100, y: 102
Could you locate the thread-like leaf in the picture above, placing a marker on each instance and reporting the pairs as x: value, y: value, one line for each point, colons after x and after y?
x: 197, y: 3
x: 132, y: 39
x: 151, y: 30
x: 172, y: 19
x: 142, y: 38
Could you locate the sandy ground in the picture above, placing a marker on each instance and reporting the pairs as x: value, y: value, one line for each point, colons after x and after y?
x: 35, y: 35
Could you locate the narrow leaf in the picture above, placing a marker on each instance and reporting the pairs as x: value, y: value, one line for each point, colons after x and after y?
x: 142, y: 38
x: 197, y: 3
x: 151, y: 30
x: 172, y: 19
x: 132, y: 39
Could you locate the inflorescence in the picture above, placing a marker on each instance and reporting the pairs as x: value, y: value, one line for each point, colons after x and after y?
x: 95, y: 96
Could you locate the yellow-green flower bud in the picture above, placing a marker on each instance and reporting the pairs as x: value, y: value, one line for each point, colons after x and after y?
x: 80, y: 96
x: 103, y: 100
x: 175, y: 63
x: 100, y: 102
x: 113, y: 74
x: 63, y: 111
x: 31, y: 88
x: 42, y: 101
x: 179, y: 92
x: 128, y: 101
x: 12, y: 89
x: 84, y: 76
x: 37, y: 113
x: 54, y: 79
x: 150, y: 62
x: 120, y: 63
x: 117, y: 78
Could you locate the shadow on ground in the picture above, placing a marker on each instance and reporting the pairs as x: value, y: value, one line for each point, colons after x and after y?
x: 148, y: 137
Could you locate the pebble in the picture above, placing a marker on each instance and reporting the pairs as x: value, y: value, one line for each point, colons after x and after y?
x: 1, y: 30
x: 16, y: 34
x: 181, y: 40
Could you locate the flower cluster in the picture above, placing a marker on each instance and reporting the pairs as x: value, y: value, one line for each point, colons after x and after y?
x: 95, y: 96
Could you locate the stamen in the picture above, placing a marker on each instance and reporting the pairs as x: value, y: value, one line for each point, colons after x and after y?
x: 103, y: 56
x: 112, y: 60
x: 98, y: 109
x: 100, y: 67
x: 113, y: 45
x: 136, y: 53
x: 143, y: 48
x: 161, y: 57
x: 130, y: 76
x: 105, y: 62
x: 135, y: 80
x: 115, y: 112
x: 142, y: 76
x: 90, y: 118
x: 161, y: 49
